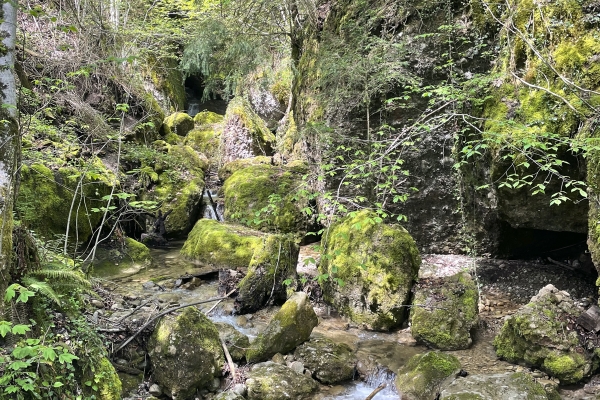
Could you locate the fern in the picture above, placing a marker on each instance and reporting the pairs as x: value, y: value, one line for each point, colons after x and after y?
x: 55, y: 278
x: 41, y: 287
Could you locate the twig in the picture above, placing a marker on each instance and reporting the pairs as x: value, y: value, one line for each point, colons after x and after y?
x: 561, y: 264
x: 218, y: 302
x: 170, y: 310
x: 374, y: 392
x: 229, y: 360
x: 137, y: 308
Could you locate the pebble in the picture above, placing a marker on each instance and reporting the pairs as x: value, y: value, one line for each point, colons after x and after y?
x: 97, y: 303
x: 155, y: 390
x: 297, y: 366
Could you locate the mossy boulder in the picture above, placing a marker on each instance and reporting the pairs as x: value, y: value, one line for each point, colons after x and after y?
x: 222, y: 245
x: 179, y: 188
x: 236, y: 342
x: 207, y: 118
x: 291, y: 326
x: 228, y: 169
x: 506, y: 386
x: 267, y: 197
x: 445, y: 311
x: 271, y: 381
x: 107, y: 380
x: 228, y: 396
x: 245, y: 134
x: 424, y: 374
x: 538, y: 335
x: 329, y: 362
x: 273, y: 262
x: 377, y: 264
x: 205, y: 140
x: 138, y: 252
x: 179, y: 123
x: 186, y: 352
x: 46, y: 205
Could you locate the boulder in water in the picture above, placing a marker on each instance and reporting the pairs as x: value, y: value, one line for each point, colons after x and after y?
x: 291, y: 326
x: 504, y: 386
x: 539, y: 335
x: 273, y: 263
x: 271, y: 381
x: 445, y: 311
x: 186, y: 352
x: 371, y: 267
x: 424, y: 374
x: 329, y: 362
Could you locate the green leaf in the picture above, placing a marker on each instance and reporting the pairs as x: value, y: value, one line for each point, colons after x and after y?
x: 21, y: 329
x: 67, y: 357
x: 5, y: 328
x: 24, y: 295
x: 58, y: 384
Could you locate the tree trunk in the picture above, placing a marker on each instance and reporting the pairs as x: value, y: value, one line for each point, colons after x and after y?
x: 9, y: 141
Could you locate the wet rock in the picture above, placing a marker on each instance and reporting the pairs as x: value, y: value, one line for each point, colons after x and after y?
x: 329, y: 362
x: 270, y: 381
x: 541, y: 335
x: 186, y: 352
x: 424, y: 374
x: 236, y: 342
x: 377, y: 264
x: 505, y: 386
x: 273, y: 262
x: 445, y: 311
x: 291, y: 326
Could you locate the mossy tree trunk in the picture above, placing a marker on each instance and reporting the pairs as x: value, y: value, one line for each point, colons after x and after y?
x: 9, y: 140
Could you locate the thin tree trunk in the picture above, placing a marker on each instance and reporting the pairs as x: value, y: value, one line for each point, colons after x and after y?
x: 9, y: 143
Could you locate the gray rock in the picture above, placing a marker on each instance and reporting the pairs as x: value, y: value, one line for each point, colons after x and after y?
x: 297, y: 366
x: 270, y: 381
x: 240, y: 389
x: 278, y: 359
x: 229, y: 395
x: 505, y: 386
x: 236, y: 342
x: 291, y: 326
x: 329, y: 362
x: 155, y: 390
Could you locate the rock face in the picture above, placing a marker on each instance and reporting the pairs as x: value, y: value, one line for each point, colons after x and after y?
x: 228, y: 169
x: 329, y: 362
x: 377, y: 264
x: 266, y: 197
x: 291, y: 326
x: 270, y: 381
x: 444, y: 312
x: 222, y: 245
x: 424, y: 374
x: 508, y: 386
x: 179, y: 123
x: 273, y: 262
x: 539, y: 335
x: 236, y: 342
x: 186, y: 352
x: 246, y: 134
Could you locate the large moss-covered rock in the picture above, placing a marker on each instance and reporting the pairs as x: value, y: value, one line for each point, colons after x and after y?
x: 377, y: 264
x: 291, y: 326
x: 222, y: 245
x: 206, y: 140
x: 46, y: 204
x: 271, y: 381
x: 180, y: 188
x: 228, y: 169
x: 507, y: 386
x: 329, y: 362
x: 266, y: 197
x: 445, y: 311
x: 424, y: 374
x: 539, y: 335
x: 208, y: 118
x: 138, y: 252
x: 179, y: 123
x: 273, y: 262
x: 105, y: 377
x: 245, y: 134
x: 186, y: 352
x: 236, y: 342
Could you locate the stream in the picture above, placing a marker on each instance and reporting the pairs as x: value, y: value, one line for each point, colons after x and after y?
x: 156, y: 285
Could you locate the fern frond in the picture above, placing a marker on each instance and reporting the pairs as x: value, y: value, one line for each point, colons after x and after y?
x: 40, y: 287
x: 58, y: 276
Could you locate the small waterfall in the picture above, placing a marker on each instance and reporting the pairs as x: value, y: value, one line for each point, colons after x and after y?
x: 359, y: 390
x: 193, y: 107
x: 211, y: 207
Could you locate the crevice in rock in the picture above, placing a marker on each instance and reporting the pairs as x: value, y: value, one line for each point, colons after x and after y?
x: 194, y: 89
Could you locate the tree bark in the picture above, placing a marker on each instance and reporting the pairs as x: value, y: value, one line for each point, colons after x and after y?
x: 9, y: 140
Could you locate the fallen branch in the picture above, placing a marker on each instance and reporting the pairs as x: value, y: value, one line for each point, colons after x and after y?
x: 170, y: 310
x: 229, y: 360
x: 374, y: 392
x: 218, y: 302
x: 561, y: 264
x: 137, y: 308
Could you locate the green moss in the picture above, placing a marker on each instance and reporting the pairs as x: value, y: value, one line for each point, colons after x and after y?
x: 567, y: 367
x: 228, y: 169
x: 136, y: 250
x: 167, y: 78
x: 220, y: 244
x: 376, y: 260
x: 179, y: 123
x: 266, y: 197
x: 107, y: 380
x: 424, y: 373
x: 205, y: 140
x: 208, y: 117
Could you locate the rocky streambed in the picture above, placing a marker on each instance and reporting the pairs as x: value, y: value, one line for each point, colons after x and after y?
x: 139, y: 292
